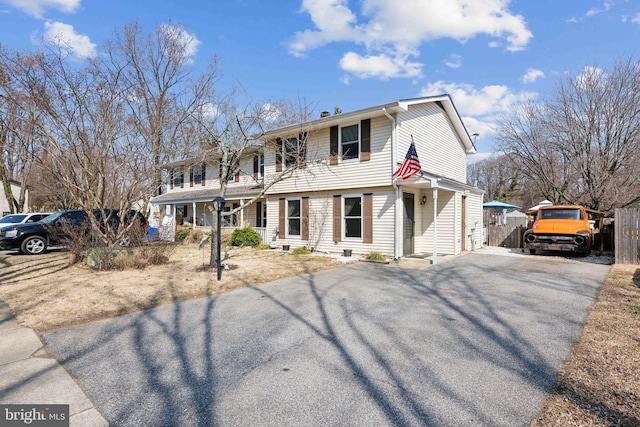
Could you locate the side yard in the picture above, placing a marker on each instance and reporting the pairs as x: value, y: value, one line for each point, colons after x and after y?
x: 599, y: 385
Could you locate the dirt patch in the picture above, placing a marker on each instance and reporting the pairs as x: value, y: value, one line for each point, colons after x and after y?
x: 599, y: 385
x: 44, y: 292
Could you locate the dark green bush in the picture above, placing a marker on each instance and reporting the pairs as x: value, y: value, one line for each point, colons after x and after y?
x: 182, y: 235
x: 245, y: 237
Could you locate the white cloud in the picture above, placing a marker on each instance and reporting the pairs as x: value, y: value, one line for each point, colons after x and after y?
x: 63, y: 35
x: 636, y: 19
x: 402, y: 26
x: 36, y: 8
x: 590, y: 75
x: 480, y: 109
x: 532, y: 75
x: 381, y: 66
x: 484, y: 128
x: 271, y: 112
x: 189, y: 41
x: 454, y: 61
x: 478, y: 157
x: 471, y: 101
x: 605, y: 8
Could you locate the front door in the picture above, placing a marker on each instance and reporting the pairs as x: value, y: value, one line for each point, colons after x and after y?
x: 409, y: 223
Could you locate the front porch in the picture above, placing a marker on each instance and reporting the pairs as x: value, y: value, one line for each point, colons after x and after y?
x: 177, y: 211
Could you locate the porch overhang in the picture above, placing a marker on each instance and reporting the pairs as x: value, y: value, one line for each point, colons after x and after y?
x: 426, y: 180
x: 206, y: 195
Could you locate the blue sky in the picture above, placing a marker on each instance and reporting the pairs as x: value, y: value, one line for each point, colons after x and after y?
x: 357, y: 54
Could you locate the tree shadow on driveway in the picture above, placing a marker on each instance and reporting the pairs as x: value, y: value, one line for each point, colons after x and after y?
x: 469, y: 342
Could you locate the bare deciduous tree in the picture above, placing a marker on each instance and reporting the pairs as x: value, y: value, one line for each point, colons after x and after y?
x: 234, y: 131
x: 582, y: 145
x: 161, y: 88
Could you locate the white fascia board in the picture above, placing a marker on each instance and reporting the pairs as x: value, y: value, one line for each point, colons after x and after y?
x: 366, y: 113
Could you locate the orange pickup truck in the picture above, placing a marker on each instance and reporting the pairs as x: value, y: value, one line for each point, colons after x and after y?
x: 561, y: 228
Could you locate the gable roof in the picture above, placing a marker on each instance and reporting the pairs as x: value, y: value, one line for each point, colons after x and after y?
x: 392, y: 107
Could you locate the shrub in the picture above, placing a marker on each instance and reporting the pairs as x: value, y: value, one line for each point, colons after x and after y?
x: 245, y: 237
x: 194, y: 237
x: 182, y: 235
x: 104, y: 258
x: 263, y: 246
x: 375, y: 256
x: 302, y: 250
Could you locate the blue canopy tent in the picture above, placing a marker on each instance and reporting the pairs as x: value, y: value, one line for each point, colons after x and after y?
x: 494, y: 204
x: 500, y: 218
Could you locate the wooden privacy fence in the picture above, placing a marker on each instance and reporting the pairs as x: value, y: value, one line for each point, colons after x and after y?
x: 507, y: 236
x: 627, y: 239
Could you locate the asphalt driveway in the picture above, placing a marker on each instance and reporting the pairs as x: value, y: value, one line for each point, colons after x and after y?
x: 475, y: 341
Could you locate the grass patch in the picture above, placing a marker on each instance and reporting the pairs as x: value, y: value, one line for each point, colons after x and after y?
x: 375, y: 256
x: 301, y: 251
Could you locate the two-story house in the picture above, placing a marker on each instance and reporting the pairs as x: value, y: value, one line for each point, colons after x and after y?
x: 344, y: 196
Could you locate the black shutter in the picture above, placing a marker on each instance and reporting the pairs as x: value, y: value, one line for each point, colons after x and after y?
x: 302, y: 155
x: 256, y: 156
x: 365, y: 140
x: 333, y: 145
x: 279, y: 155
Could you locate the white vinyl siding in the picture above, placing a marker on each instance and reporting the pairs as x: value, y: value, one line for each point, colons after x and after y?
x: 446, y: 223
x: 350, y: 174
x: 474, y: 219
x: 212, y: 176
x: 439, y: 149
x: 321, y: 223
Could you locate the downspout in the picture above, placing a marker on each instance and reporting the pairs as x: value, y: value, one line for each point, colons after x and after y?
x: 396, y: 206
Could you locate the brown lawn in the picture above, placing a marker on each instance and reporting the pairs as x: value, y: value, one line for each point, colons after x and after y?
x: 44, y: 292
x: 599, y: 385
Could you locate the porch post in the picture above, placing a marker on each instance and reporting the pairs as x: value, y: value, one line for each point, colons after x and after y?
x: 241, y: 214
x: 434, y: 184
x: 193, y: 226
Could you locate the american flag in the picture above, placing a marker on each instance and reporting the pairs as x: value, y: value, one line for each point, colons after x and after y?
x: 410, y: 166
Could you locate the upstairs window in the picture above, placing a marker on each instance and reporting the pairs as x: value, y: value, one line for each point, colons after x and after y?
x: 350, y: 142
x: 197, y: 174
x: 177, y: 178
x: 293, y: 151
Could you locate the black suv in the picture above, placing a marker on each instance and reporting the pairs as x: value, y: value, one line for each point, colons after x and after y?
x: 34, y: 238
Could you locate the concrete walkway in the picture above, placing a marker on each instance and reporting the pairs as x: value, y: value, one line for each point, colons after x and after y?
x: 30, y: 375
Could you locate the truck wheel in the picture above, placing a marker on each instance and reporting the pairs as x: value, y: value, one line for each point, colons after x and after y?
x: 532, y: 251
x: 33, y: 245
